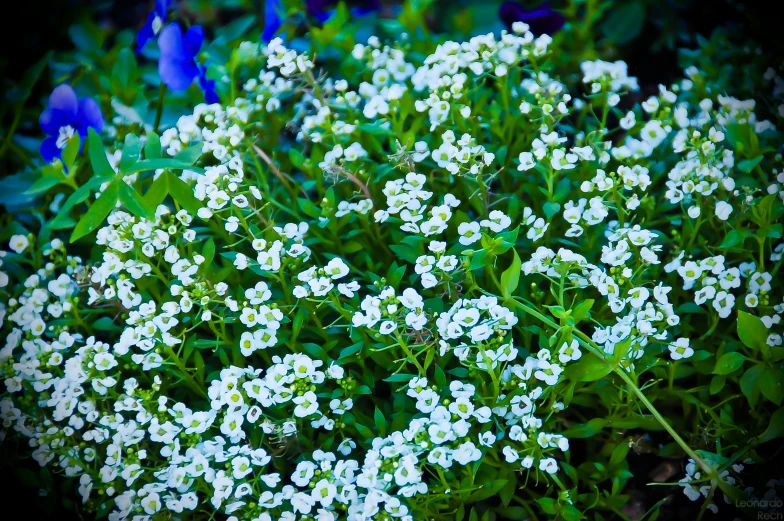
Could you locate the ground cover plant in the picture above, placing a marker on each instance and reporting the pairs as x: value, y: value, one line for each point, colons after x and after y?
x: 325, y: 264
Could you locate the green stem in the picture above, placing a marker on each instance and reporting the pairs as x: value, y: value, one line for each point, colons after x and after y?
x: 595, y: 350
x: 410, y: 355
x: 159, y: 113
x: 11, y: 131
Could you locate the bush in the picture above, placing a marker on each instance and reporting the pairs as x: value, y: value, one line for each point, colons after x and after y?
x: 401, y: 282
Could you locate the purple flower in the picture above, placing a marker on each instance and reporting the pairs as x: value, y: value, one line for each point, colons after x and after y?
x: 155, y: 21
x: 540, y: 20
x: 65, y: 117
x: 177, y: 65
x: 272, y: 19
x: 322, y: 10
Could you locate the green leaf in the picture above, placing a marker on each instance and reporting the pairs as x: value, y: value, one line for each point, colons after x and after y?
x: 557, y: 311
x: 587, y: 430
x: 735, y: 237
x: 100, y: 209
x: 183, y: 194
x: 729, y: 363
x: 42, y: 185
x: 771, y: 384
x: 135, y: 203
x: 551, y: 209
x: 582, y: 310
x: 81, y: 194
x: 97, y: 154
x: 152, y: 149
x: 624, y: 22
x: 549, y: 505
x: 124, y: 69
x: 364, y: 431
x: 27, y: 477
x: 155, y: 164
x: 190, y: 155
x: 510, y: 278
x: 749, y: 383
x: 747, y: 165
x: 717, y: 384
x: 588, y: 369
x: 775, y: 427
x: 370, y: 128
x: 209, y: 251
x: 479, y: 260
x: 71, y: 151
x: 350, y: 350
x: 132, y: 150
x: 752, y: 332
x: 86, y: 37
x: 380, y: 422
x: 488, y: 490
x: 296, y: 158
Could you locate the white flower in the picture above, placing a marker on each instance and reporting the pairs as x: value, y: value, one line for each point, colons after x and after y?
x: 307, y: 404
x: 19, y: 243
x: 469, y: 233
x: 723, y: 210
x: 526, y: 161
x: 680, y: 349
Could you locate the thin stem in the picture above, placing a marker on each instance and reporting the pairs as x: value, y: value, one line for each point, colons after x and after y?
x: 410, y: 355
x: 593, y: 348
x: 159, y: 113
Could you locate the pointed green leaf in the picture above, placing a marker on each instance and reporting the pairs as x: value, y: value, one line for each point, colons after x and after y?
x: 124, y: 69
x: 152, y: 149
x: 190, y: 155
x: 42, y: 185
x: 154, y: 164
x: 510, y: 278
x: 752, y: 332
x: 183, y: 194
x: 728, y: 363
x: 771, y: 384
x: 135, y: 203
x: 71, y: 151
x: 100, y: 209
x: 157, y: 191
x: 97, y: 154
x: 132, y: 150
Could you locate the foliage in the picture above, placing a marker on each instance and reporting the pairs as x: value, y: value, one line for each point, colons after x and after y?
x: 432, y: 279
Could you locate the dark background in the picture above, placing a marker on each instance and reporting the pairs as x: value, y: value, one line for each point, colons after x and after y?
x: 31, y: 28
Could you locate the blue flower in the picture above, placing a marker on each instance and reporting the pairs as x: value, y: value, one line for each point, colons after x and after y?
x: 321, y: 9
x: 177, y: 65
x: 540, y: 20
x: 273, y: 9
x: 155, y: 21
x: 65, y: 117
x: 207, y: 86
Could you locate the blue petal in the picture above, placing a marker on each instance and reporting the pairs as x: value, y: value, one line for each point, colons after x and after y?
x: 540, y: 20
x: 208, y: 87
x: 90, y: 116
x: 170, y: 42
x: 49, y: 149
x: 193, y: 40
x: 63, y: 98
x: 272, y: 19
x: 177, y: 74
x: 52, y: 119
x: 145, y: 33
x: 162, y: 7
